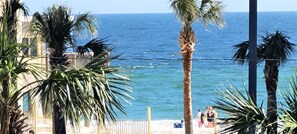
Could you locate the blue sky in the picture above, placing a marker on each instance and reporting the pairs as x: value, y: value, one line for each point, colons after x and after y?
x: 153, y: 6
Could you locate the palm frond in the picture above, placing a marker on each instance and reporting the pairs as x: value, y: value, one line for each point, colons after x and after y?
x: 37, y: 25
x: 12, y: 114
x: 211, y: 11
x: 18, y: 5
x: 84, y: 23
x: 90, y: 89
x: 12, y: 66
x: 289, y: 107
x: 185, y: 10
x: 10, y: 8
x: 54, y: 26
x: 276, y: 47
x: 241, y: 111
x: 97, y: 46
x: 241, y: 52
x: 95, y: 88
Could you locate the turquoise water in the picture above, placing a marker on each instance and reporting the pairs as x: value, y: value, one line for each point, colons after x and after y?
x: 152, y: 59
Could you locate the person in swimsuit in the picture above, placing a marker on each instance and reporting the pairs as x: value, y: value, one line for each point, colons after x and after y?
x: 200, y: 119
x: 210, y: 117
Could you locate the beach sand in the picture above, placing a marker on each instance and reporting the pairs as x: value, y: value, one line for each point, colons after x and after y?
x: 124, y: 127
x: 167, y: 127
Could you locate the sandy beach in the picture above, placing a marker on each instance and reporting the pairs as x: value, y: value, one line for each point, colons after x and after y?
x: 167, y: 127
x: 124, y: 127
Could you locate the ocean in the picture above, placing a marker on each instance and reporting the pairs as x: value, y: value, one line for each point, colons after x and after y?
x: 151, y: 58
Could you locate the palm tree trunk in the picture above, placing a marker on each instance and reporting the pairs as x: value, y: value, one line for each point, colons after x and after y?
x: 271, y: 79
x: 5, y: 121
x: 59, y: 125
x: 187, y: 42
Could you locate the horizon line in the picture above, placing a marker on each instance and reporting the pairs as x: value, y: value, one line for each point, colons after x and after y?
x: 173, y: 13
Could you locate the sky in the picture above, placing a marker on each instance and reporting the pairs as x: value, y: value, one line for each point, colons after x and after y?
x: 152, y: 6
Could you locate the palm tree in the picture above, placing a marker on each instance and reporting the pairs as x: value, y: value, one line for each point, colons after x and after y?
x: 11, y: 8
x: 55, y: 27
x: 12, y: 66
x: 274, y: 51
x: 93, y: 89
x: 71, y: 91
x: 9, y: 20
x: 188, y: 11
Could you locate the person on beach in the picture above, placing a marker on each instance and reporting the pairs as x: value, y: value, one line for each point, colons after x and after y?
x: 205, y: 117
x: 202, y: 120
x: 199, y: 117
x: 210, y: 117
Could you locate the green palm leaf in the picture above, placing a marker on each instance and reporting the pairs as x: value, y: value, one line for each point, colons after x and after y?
x: 210, y: 11
x: 275, y: 47
x: 13, y: 65
x: 90, y: 88
x: 84, y: 23
x: 10, y: 8
x: 185, y: 10
x: 241, y: 52
x: 97, y: 46
x: 288, y: 109
x: 241, y: 111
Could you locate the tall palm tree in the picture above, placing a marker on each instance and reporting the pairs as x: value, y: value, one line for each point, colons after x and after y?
x: 10, y: 109
x: 56, y: 28
x: 71, y: 91
x: 11, y: 9
x: 189, y: 11
x: 274, y: 51
x: 12, y: 66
